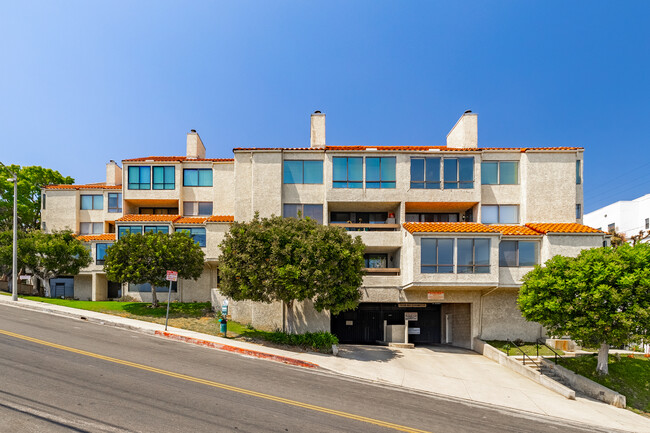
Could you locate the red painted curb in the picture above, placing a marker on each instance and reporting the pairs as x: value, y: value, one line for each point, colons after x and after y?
x: 255, y: 353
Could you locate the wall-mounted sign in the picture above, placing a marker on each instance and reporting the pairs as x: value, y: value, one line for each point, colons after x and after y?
x: 25, y: 277
x: 407, y: 305
x: 414, y: 331
x: 436, y: 296
x: 349, y: 323
x: 411, y: 316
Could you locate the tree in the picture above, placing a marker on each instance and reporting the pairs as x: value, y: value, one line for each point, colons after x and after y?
x: 30, y: 181
x: 289, y: 259
x: 145, y: 258
x: 48, y: 255
x: 602, y: 296
x: 6, y: 252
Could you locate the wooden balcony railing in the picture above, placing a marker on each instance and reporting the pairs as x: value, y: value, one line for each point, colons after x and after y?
x: 382, y: 271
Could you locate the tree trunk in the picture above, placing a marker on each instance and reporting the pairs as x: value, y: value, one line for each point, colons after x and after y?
x: 44, y: 289
x: 154, y: 298
x: 603, y: 357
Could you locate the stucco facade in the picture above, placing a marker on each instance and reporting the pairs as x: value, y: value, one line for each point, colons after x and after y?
x: 471, y: 204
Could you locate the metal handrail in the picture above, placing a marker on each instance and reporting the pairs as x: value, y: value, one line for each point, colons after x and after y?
x: 539, y: 341
x: 525, y: 355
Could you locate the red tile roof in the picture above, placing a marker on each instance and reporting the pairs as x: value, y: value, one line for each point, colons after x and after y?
x: 409, y: 148
x: 145, y: 218
x: 176, y: 159
x: 104, y: 237
x: 514, y: 230
x: 87, y: 186
x: 221, y: 219
x: 191, y: 220
x: 448, y: 228
x: 562, y: 228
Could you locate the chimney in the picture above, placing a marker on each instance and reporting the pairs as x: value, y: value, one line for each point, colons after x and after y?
x: 195, y: 147
x: 464, y: 134
x: 318, y: 129
x: 113, y: 174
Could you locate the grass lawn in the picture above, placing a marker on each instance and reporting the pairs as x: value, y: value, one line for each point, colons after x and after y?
x: 197, y: 316
x: 528, y: 348
x: 628, y: 376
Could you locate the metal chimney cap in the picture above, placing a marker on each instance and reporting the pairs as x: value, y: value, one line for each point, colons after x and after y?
x: 317, y: 112
x: 193, y: 131
x: 467, y: 111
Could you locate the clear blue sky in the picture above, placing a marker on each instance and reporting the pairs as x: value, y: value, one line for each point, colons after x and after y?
x: 85, y: 82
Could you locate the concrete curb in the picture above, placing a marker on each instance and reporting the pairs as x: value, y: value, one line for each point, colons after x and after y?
x: 239, y: 350
x: 145, y: 327
x: 588, y: 386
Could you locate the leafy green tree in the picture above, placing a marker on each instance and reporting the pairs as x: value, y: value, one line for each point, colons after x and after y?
x: 600, y: 297
x: 30, y: 181
x: 6, y: 252
x: 48, y: 255
x: 146, y: 258
x: 289, y: 259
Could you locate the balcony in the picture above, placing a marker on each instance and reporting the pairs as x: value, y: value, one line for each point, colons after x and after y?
x: 381, y: 271
x: 368, y: 227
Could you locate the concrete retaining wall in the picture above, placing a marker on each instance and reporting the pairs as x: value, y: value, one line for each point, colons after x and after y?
x: 497, y: 356
x: 587, y: 386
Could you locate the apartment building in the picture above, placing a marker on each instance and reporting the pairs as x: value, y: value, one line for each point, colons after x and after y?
x: 626, y: 216
x: 449, y: 230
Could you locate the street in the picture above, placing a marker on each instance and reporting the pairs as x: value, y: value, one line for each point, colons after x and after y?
x: 60, y: 374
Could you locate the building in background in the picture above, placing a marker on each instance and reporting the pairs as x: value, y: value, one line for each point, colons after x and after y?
x: 627, y: 216
x: 449, y: 230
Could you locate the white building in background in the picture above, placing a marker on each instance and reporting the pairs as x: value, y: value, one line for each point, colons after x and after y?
x: 627, y: 216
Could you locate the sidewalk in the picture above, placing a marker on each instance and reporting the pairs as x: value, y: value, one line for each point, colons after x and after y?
x: 452, y: 372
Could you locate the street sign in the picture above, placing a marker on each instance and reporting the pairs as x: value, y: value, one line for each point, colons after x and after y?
x: 172, y: 276
x: 25, y: 277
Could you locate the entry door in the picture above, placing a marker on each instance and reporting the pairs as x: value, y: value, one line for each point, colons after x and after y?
x: 427, y: 325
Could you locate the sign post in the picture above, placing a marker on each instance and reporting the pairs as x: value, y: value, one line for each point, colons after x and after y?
x: 171, y: 276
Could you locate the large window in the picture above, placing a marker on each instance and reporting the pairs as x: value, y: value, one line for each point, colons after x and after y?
x: 140, y: 177
x: 197, y: 177
x: 303, y: 172
x: 196, y: 233
x: 115, y: 202
x: 314, y: 211
x: 437, y: 256
x: 358, y: 217
x: 100, y: 253
x: 500, y: 173
x: 164, y: 177
x: 380, y: 172
x: 91, y: 228
x: 425, y: 173
x: 197, y: 208
x: 517, y: 253
x: 347, y: 172
x: 578, y: 175
x: 500, y: 214
x: 458, y: 173
x: 156, y: 229
x: 95, y: 201
x: 125, y: 230
x: 473, y: 256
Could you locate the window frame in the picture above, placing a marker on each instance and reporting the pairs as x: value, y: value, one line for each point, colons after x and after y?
x: 390, y: 184
x: 578, y: 211
x: 435, y: 267
x: 473, y: 267
x: 517, y: 255
x: 139, y: 183
x: 578, y: 172
x: 193, y: 235
x: 499, y: 206
x: 164, y: 185
x: 469, y: 184
x: 384, y: 257
x: 347, y: 182
x: 129, y: 227
x: 499, y: 171
x: 425, y: 182
x: 96, y: 202
x: 156, y: 229
x: 301, y: 209
x: 196, y: 208
x: 105, y: 246
x: 117, y: 209
x: 302, y: 171
x: 198, y: 177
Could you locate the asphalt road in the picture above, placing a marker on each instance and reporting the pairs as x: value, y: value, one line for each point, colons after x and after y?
x: 59, y: 374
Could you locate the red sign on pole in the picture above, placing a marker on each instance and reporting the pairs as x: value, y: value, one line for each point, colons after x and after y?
x: 172, y: 276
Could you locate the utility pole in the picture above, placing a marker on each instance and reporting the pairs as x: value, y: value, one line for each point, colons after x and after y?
x: 14, y: 266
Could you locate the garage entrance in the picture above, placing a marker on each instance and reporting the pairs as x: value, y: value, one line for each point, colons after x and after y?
x: 365, y: 325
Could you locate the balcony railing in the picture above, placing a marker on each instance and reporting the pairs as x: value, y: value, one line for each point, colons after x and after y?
x: 364, y: 227
x: 382, y: 271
